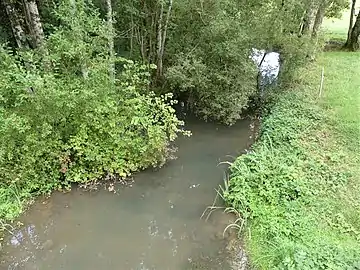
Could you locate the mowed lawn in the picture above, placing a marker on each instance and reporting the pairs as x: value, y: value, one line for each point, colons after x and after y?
x: 342, y: 94
x: 342, y: 81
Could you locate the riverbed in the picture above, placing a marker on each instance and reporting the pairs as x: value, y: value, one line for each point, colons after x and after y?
x: 152, y: 223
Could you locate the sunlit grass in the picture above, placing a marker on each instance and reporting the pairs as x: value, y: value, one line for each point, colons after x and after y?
x: 342, y: 94
x: 337, y: 28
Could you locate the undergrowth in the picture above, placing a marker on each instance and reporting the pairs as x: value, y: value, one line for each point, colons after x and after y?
x: 64, y: 120
x: 298, y: 188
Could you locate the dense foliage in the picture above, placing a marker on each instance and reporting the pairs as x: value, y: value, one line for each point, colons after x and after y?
x: 205, y: 45
x: 201, y: 48
x: 58, y: 126
x: 296, y: 187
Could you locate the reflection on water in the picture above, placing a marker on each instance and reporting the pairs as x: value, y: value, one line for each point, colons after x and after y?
x: 269, y: 65
x: 154, y: 224
x: 18, y: 237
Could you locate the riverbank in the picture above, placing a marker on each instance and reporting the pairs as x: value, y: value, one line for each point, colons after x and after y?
x: 298, y: 190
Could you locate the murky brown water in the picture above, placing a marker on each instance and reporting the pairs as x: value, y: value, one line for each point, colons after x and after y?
x: 153, y: 224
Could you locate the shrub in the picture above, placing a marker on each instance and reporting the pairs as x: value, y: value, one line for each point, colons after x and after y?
x: 63, y: 120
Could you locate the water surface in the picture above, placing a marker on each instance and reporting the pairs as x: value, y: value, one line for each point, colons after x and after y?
x: 152, y: 224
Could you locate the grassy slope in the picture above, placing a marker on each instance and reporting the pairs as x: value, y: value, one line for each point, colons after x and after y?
x: 300, y: 187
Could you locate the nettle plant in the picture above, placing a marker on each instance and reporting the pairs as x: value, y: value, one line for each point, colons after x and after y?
x: 63, y: 119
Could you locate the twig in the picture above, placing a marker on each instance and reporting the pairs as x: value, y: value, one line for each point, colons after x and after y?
x: 3, y: 226
x: 321, y: 82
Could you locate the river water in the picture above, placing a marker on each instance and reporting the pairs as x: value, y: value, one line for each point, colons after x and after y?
x: 153, y: 223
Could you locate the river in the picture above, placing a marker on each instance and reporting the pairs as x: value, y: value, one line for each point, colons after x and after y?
x: 153, y: 223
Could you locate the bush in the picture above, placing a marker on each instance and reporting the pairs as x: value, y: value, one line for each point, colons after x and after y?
x: 63, y: 120
x: 211, y: 65
x: 61, y: 129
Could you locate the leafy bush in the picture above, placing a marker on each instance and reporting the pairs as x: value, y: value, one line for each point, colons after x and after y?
x: 63, y: 120
x: 215, y: 92
x: 213, y: 68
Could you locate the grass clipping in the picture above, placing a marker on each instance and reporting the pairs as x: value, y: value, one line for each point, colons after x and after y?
x: 298, y: 189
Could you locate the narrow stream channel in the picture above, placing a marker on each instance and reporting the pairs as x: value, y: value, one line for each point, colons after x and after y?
x: 152, y: 224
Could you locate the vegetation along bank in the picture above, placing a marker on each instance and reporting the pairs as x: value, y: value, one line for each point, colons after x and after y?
x: 297, y: 191
x: 88, y: 87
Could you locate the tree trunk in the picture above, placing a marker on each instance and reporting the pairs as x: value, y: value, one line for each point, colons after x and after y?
x: 354, y: 36
x: 309, y: 19
x: 16, y: 25
x: 109, y: 16
x: 162, y: 30
x: 351, y: 23
x: 159, y: 41
x: 165, y: 28
x: 152, y: 43
x: 35, y: 25
x: 132, y: 36
x: 319, y: 19
x: 142, y: 33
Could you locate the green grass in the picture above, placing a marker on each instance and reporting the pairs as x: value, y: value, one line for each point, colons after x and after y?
x: 336, y: 28
x: 299, y: 188
x: 342, y: 94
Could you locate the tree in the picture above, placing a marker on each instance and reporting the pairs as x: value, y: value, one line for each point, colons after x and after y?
x: 109, y: 15
x: 200, y: 48
x: 351, y: 22
x: 25, y: 21
x: 161, y: 38
x: 353, y: 42
x: 309, y: 18
x: 16, y: 24
x: 319, y: 17
x: 34, y: 22
x: 316, y: 11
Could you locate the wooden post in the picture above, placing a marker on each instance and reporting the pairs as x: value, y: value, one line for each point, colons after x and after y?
x: 321, y: 82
